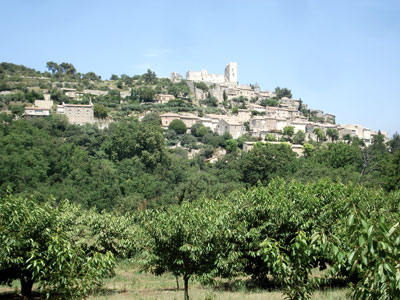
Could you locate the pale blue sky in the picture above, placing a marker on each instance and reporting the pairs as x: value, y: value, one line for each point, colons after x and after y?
x: 339, y: 56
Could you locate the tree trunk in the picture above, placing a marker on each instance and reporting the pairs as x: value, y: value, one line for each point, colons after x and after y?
x: 26, y: 286
x: 186, y: 280
x: 177, y: 282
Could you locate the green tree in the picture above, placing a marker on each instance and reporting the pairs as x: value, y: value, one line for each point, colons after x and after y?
x: 152, y: 117
x: 299, y: 137
x: 68, y: 69
x: 232, y: 145
x: 333, y: 134
x: 178, y: 126
x: 100, y: 111
x: 347, y: 137
x: 225, y: 96
x: 235, y: 110
x: 199, y: 130
x: 130, y: 139
x: 266, y: 161
x: 288, y: 131
x: 394, y: 143
x: 146, y: 94
x: 269, y: 102
x: 308, y: 150
x: 176, y: 240
x: 36, y: 249
x: 202, y: 86
x: 320, y: 134
x: 282, y: 92
x: 149, y: 77
x: 53, y: 67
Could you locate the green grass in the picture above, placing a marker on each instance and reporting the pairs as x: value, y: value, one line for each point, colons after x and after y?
x: 131, y: 284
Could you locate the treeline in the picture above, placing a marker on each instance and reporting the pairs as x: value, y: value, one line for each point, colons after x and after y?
x: 282, y: 231
x: 129, y: 165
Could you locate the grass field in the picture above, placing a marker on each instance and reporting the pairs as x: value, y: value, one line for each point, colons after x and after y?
x: 129, y: 283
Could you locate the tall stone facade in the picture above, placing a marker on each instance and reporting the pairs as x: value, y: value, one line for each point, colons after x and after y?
x: 230, y: 75
x: 231, y: 72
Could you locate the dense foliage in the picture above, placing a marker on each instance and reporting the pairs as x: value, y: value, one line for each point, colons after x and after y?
x: 36, y: 248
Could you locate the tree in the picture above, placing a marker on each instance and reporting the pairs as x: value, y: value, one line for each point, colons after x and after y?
x: 67, y: 69
x: 394, y: 143
x: 91, y: 76
x: 333, y: 134
x: 199, y: 130
x: 282, y: 92
x: 235, y: 110
x: 269, y: 102
x: 202, y: 86
x: 190, y: 240
x: 320, y: 134
x: 266, y: 161
x: 152, y: 117
x: 178, y: 125
x: 149, y: 77
x: 100, y: 111
x: 232, y: 145
x: 146, y: 94
x: 130, y: 139
x: 299, y: 137
x: 288, y: 131
x: 308, y: 150
x: 114, y: 77
x: 53, y: 67
x: 35, y: 248
x: 225, y: 96
x: 347, y: 137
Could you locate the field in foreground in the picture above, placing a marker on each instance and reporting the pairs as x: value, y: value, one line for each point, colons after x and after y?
x: 129, y: 283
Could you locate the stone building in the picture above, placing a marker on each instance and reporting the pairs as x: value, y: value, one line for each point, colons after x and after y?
x: 231, y: 126
x: 329, y: 118
x: 163, y: 98
x: 41, y: 108
x: 230, y: 75
x: 175, y: 77
x: 167, y: 118
x: 78, y: 114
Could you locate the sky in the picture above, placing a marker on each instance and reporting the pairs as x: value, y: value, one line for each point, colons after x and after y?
x: 342, y: 57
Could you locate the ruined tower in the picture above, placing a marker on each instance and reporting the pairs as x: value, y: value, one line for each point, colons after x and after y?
x: 231, y: 74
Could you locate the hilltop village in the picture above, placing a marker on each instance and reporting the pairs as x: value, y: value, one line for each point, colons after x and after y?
x: 215, y: 101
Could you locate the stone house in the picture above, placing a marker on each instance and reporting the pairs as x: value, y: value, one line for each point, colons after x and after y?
x: 167, y: 118
x: 175, y: 77
x: 298, y: 126
x: 289, y: 103
x: 36, y: 112
x: 70, y: 93
x: 78, y: 114
x: 189, y: 119
x: 95, y: 92
x: 256, y: 107
x: 231, y: 126
x: 41, y: 108
x: 317, y: 113
x: 209, y: 122
x: 329, y: 118
x: 163, y: 98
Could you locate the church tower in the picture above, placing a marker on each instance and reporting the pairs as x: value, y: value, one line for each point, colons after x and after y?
x: 231, y: 74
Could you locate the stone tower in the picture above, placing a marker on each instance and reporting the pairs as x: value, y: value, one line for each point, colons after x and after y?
x: 231, y: 74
